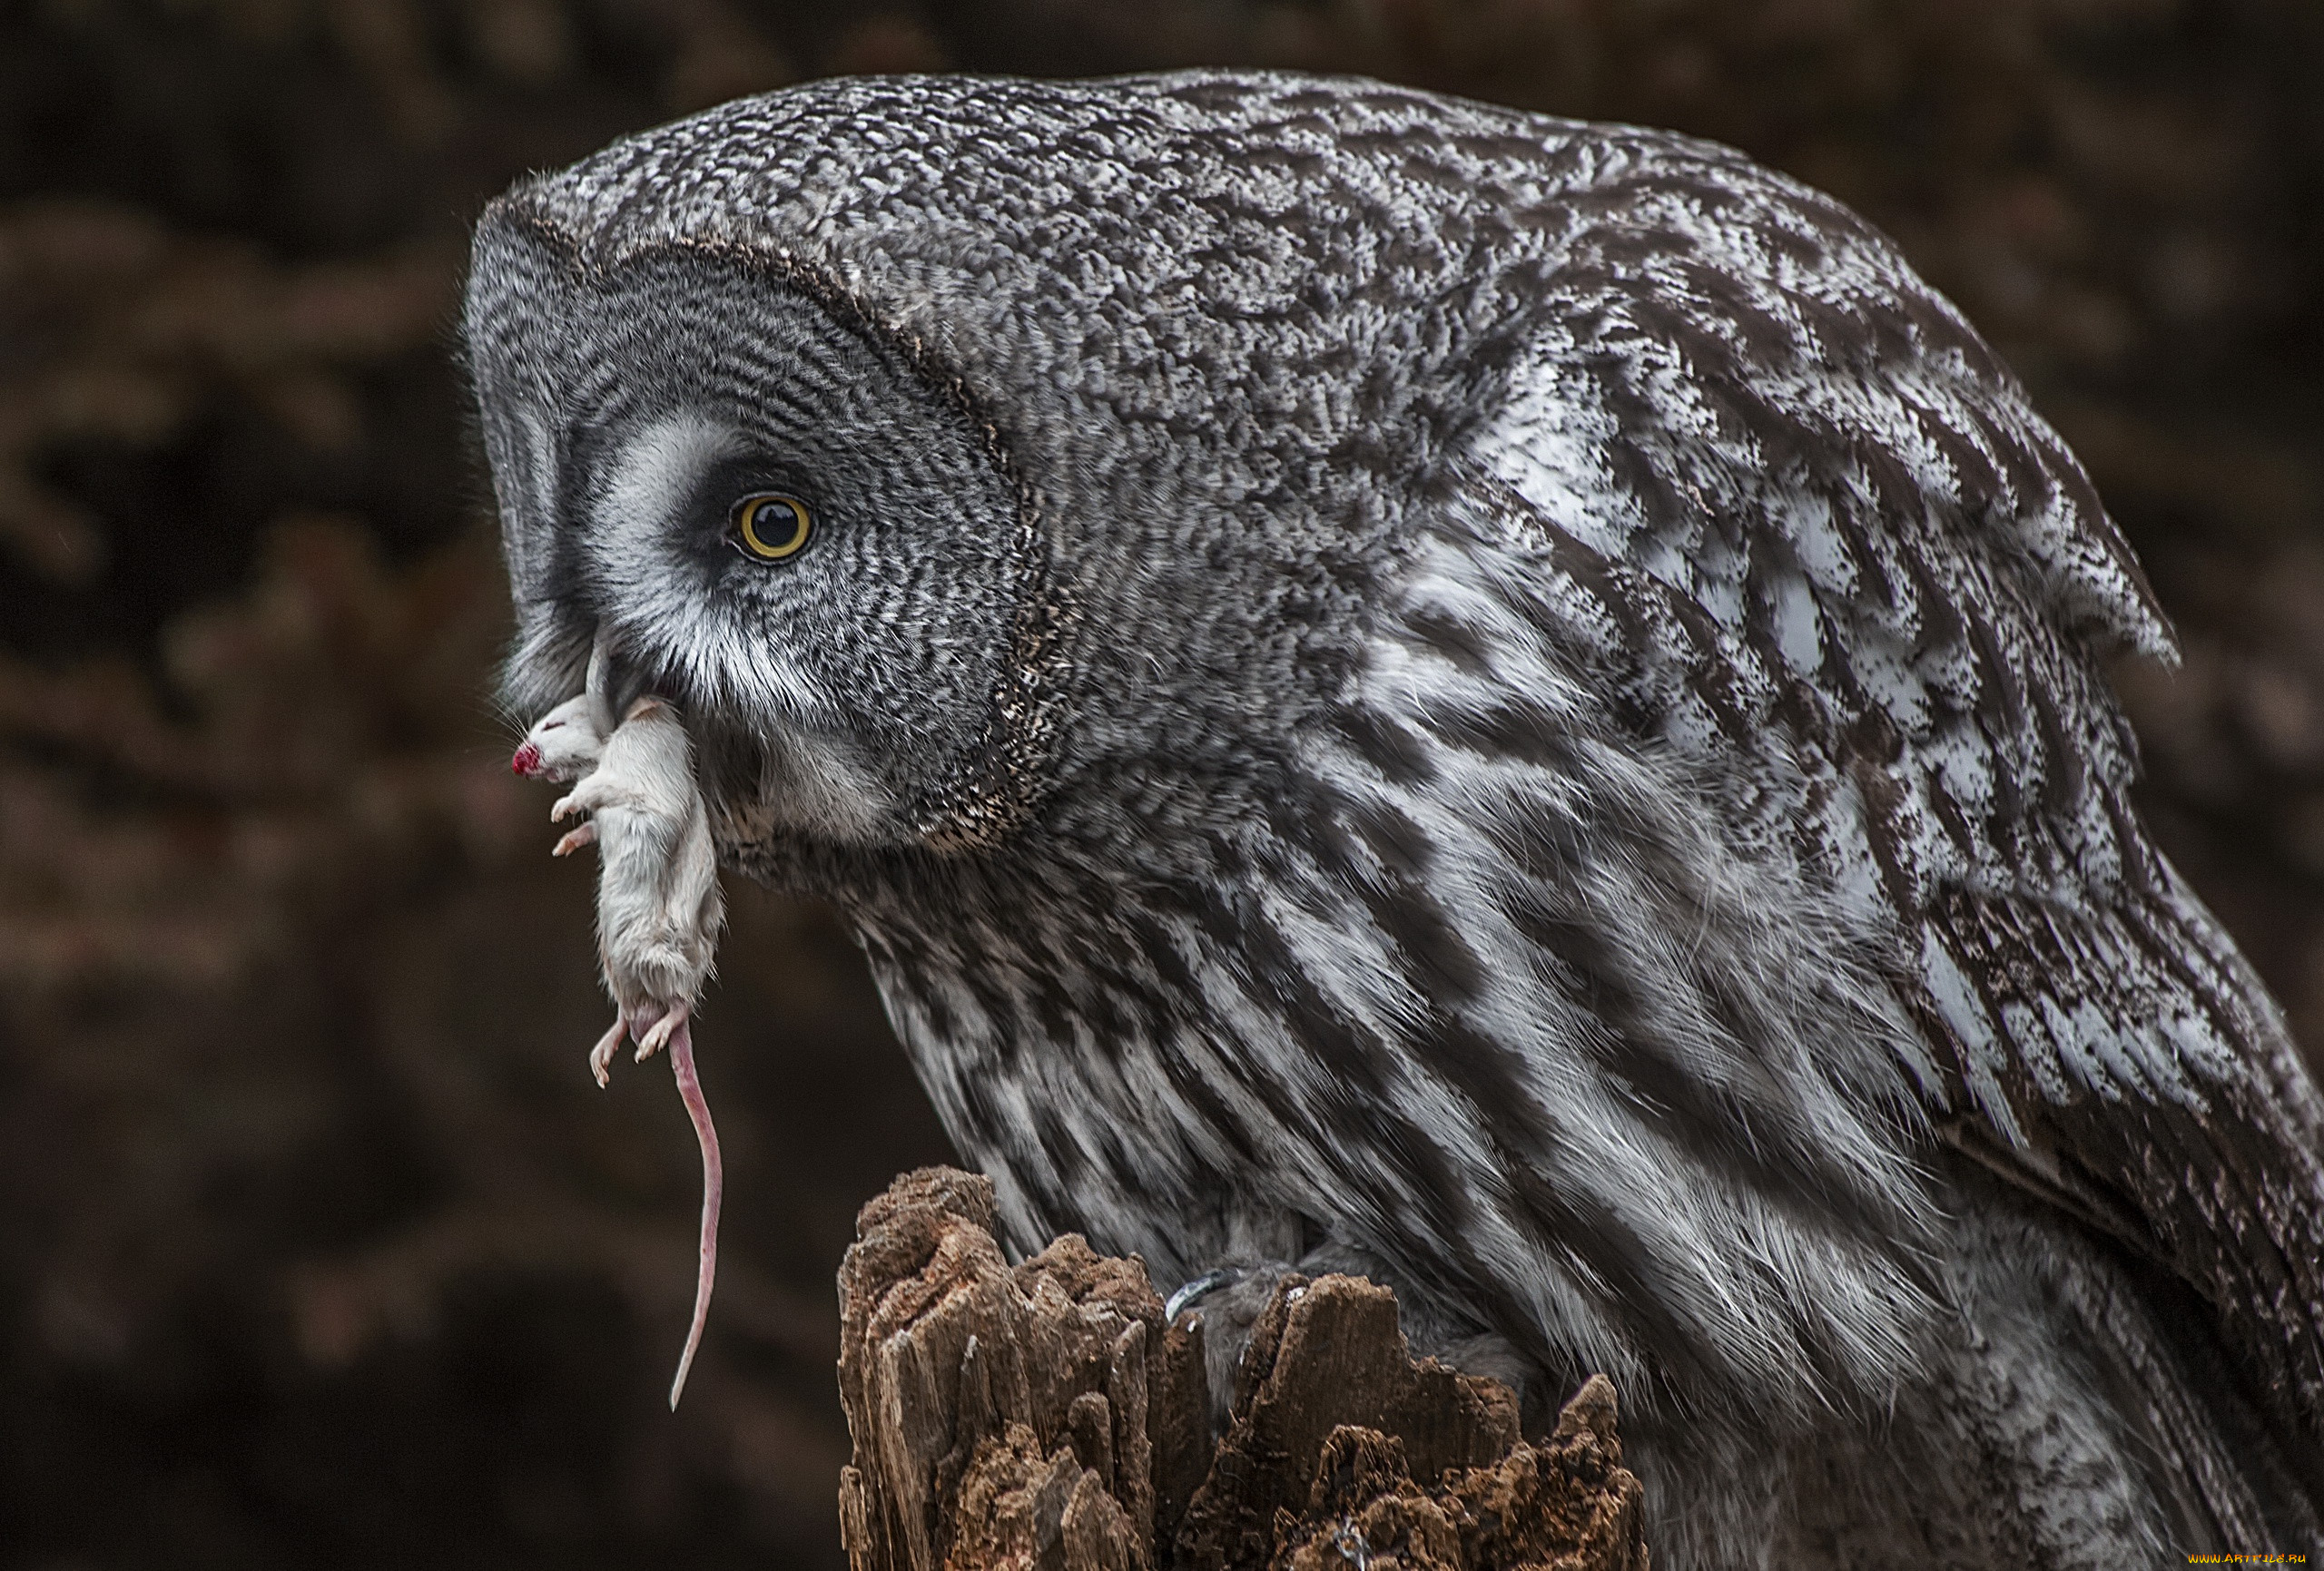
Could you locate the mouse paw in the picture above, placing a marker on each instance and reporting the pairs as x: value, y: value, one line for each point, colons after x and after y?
x: 658, y: 1034
x: 601, y: 1056
x: 581, y: 834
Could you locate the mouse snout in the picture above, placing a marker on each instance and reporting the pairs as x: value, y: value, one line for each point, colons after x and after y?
x: 528, y: 760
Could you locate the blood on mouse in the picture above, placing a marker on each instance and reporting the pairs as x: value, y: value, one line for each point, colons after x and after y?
x: 563, y: 747
x: 659, y: 908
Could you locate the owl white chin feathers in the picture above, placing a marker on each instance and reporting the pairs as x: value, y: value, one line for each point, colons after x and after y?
x: 1511, y: 704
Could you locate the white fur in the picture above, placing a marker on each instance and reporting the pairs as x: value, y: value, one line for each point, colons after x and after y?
x: 659, y: 908
x: 565, y: 744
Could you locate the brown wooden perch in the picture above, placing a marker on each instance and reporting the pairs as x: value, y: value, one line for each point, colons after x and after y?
x: 1043, y: 1417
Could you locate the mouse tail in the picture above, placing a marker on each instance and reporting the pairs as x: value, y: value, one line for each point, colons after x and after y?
x: 713, y: 1184
x: 598, y: 682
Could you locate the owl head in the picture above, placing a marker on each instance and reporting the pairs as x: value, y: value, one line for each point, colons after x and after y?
x: 936, y: 443
x: 766, y: 507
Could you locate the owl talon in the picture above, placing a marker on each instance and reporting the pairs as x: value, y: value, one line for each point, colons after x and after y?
x: 1191, y: 1293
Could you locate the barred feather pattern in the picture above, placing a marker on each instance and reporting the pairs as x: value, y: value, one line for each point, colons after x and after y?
x: 1842, y: 527
x: 1490, y: 995
x: 1542, y: 722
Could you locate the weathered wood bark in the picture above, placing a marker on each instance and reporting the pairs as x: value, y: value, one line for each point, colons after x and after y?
x: 1044, y: 1417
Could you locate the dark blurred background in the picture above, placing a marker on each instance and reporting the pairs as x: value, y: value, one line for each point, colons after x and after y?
x: 317, y: 1244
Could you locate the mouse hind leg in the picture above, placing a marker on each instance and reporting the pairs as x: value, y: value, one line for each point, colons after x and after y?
x: 658, y: 1034
x: 601, y: 1056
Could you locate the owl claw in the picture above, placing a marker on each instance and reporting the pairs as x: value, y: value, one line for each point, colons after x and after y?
x: 1193, y: 1292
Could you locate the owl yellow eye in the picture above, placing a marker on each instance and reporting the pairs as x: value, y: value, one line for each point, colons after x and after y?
x: 772, y: 526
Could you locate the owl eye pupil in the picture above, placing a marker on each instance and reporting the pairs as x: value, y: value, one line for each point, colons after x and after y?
x: 771, y: 525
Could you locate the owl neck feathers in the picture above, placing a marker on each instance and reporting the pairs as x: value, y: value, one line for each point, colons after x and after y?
x: 1476, y: 987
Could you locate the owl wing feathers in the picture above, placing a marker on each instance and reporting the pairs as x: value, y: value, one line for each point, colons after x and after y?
x: 1796, y: 515
x: 1820, y: 542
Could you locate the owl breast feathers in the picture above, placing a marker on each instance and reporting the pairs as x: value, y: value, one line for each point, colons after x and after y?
x: 1514, y: 703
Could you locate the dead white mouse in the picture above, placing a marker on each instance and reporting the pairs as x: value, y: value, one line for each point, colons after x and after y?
x: 659, y: 909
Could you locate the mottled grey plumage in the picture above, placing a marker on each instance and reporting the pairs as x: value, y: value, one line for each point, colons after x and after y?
x: 1512, y: 704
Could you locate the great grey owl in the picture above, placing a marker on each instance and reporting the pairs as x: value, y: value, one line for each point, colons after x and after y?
x: 1517, y: 705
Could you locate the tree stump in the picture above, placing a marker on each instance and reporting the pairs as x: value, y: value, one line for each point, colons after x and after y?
x: 1044, y: 1417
